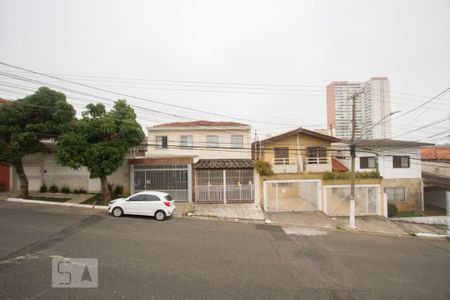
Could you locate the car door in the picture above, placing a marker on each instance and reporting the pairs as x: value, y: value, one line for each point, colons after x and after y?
x: 134, y: 205
x: 152, y: 204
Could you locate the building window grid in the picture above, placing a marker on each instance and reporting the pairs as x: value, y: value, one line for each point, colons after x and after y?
x: 186, y: 141
x: 212, y: 141
x: 161, y: 142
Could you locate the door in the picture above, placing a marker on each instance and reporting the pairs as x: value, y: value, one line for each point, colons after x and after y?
x: 152, y: 204
x: 135, y: 205
x: 4, y: 177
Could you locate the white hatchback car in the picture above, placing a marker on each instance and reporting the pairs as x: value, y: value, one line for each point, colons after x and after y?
x: 147, y: 203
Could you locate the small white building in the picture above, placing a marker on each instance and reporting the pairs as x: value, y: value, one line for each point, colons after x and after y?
x: 398, y: 162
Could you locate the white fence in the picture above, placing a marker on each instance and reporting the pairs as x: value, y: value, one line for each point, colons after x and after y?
x: 223, y: 194
x: 224, y: 186
x: 367, y: 202
x: 292, y: 195
x: 306, y: 195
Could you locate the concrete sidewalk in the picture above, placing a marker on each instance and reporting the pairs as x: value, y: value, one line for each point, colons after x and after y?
x: 247, y: 211
x: 366, y: 224
x: 73, y: 198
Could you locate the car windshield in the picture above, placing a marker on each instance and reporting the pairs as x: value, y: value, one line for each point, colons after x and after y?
x: 168, y: 197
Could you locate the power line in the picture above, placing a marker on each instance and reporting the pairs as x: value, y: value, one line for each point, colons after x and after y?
x: 135, y: 97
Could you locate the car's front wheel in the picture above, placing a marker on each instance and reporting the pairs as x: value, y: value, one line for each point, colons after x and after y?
x: 117, y: 212
x: 160, y: 215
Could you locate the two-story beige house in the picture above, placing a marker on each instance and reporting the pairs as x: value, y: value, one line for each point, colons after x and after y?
x: 299, y: 160
x: 201, y: 161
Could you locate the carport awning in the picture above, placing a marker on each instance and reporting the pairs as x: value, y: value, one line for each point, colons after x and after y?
x: 224, y: 164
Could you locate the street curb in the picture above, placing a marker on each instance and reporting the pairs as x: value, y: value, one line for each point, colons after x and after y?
x: 431, y: 235
x: 214, y: 218
x: 67, y: 204
x: 342, y: 230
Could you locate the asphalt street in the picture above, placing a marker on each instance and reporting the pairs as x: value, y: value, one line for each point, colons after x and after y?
x: 140, y: 258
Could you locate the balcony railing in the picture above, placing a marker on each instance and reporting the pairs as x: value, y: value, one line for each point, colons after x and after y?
x: 317, y: 160
x: 284, y: 161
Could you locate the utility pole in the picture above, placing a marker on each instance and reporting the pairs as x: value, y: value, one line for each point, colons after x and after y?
x: 351, y: 222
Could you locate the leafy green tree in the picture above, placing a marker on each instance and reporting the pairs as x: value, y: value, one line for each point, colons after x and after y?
x: 100, y: 140
x: 26, y: 123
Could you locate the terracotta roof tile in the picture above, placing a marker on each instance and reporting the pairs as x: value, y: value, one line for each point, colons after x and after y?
x: 435, y: 153
x: 201, y: 123
x: 224, y: 164
x: 338, y: 166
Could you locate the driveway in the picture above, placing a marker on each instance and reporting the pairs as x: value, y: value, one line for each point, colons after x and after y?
x: 247, y: 211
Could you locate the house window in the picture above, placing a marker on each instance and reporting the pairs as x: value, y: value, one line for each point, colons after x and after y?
x: 281, y: 156
x: 237, y: 141
x: 367, y: 162
x: 186, y: 141
x: 161, y: 142
x: 212, y: 141
x: 395, y: 194
x: 316, y: 155
x: 400, y: 161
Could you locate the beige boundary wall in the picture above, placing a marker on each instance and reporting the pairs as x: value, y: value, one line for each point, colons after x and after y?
x: 42, y: 168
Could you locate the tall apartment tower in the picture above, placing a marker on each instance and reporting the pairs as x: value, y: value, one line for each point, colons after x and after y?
x: 371, y: 106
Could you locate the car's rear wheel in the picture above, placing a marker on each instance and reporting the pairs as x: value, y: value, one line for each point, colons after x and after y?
x: 160, y: 215
x: 117, y: 212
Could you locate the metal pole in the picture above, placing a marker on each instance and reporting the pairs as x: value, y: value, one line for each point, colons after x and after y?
x: 448, y: 213
x: 351, y: 221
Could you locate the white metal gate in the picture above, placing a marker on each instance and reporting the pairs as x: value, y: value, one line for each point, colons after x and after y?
x: 367, y: 202
x: 224, y: 186
x: 292, y: 195
x: 172, y: 179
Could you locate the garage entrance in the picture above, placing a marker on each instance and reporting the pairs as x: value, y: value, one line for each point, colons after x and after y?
x: 292, y: 195
x: 337, y: 201
x: 173, y: 179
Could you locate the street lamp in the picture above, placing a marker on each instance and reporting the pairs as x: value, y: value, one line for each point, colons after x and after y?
x: 377, y: 123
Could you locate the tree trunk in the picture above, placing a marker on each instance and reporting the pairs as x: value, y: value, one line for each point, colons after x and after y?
x: 23, y: 180
x: 106, y: 196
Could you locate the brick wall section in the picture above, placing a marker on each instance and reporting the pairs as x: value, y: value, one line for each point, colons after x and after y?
x: 413, y: 189
x: 161, y: 161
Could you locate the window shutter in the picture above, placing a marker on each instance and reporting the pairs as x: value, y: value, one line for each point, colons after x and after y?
x: 363, y: 162
x: 397, y: 161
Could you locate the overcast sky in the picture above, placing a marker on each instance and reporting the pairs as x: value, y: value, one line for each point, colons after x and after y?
x: 265, y: 61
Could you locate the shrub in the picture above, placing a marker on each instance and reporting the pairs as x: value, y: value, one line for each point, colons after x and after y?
x: 110, y: 187
x: 79, y: 191
x: 392, y: 210
x: 347, y: 175
x: 53, y: 189
x: 263, y: 168
x: 118, y: 190
x: 65, y: 190
x: 43, y: 188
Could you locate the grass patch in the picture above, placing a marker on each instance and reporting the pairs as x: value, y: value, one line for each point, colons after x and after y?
x: 405, y: 214
x: 51, y: 199
x: 97, y: 200
x: 339, y: 227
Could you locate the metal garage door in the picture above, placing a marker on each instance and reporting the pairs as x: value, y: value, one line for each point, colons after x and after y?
x: 224, y: 186
x: 172, y: 179
x: 292, y: 195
